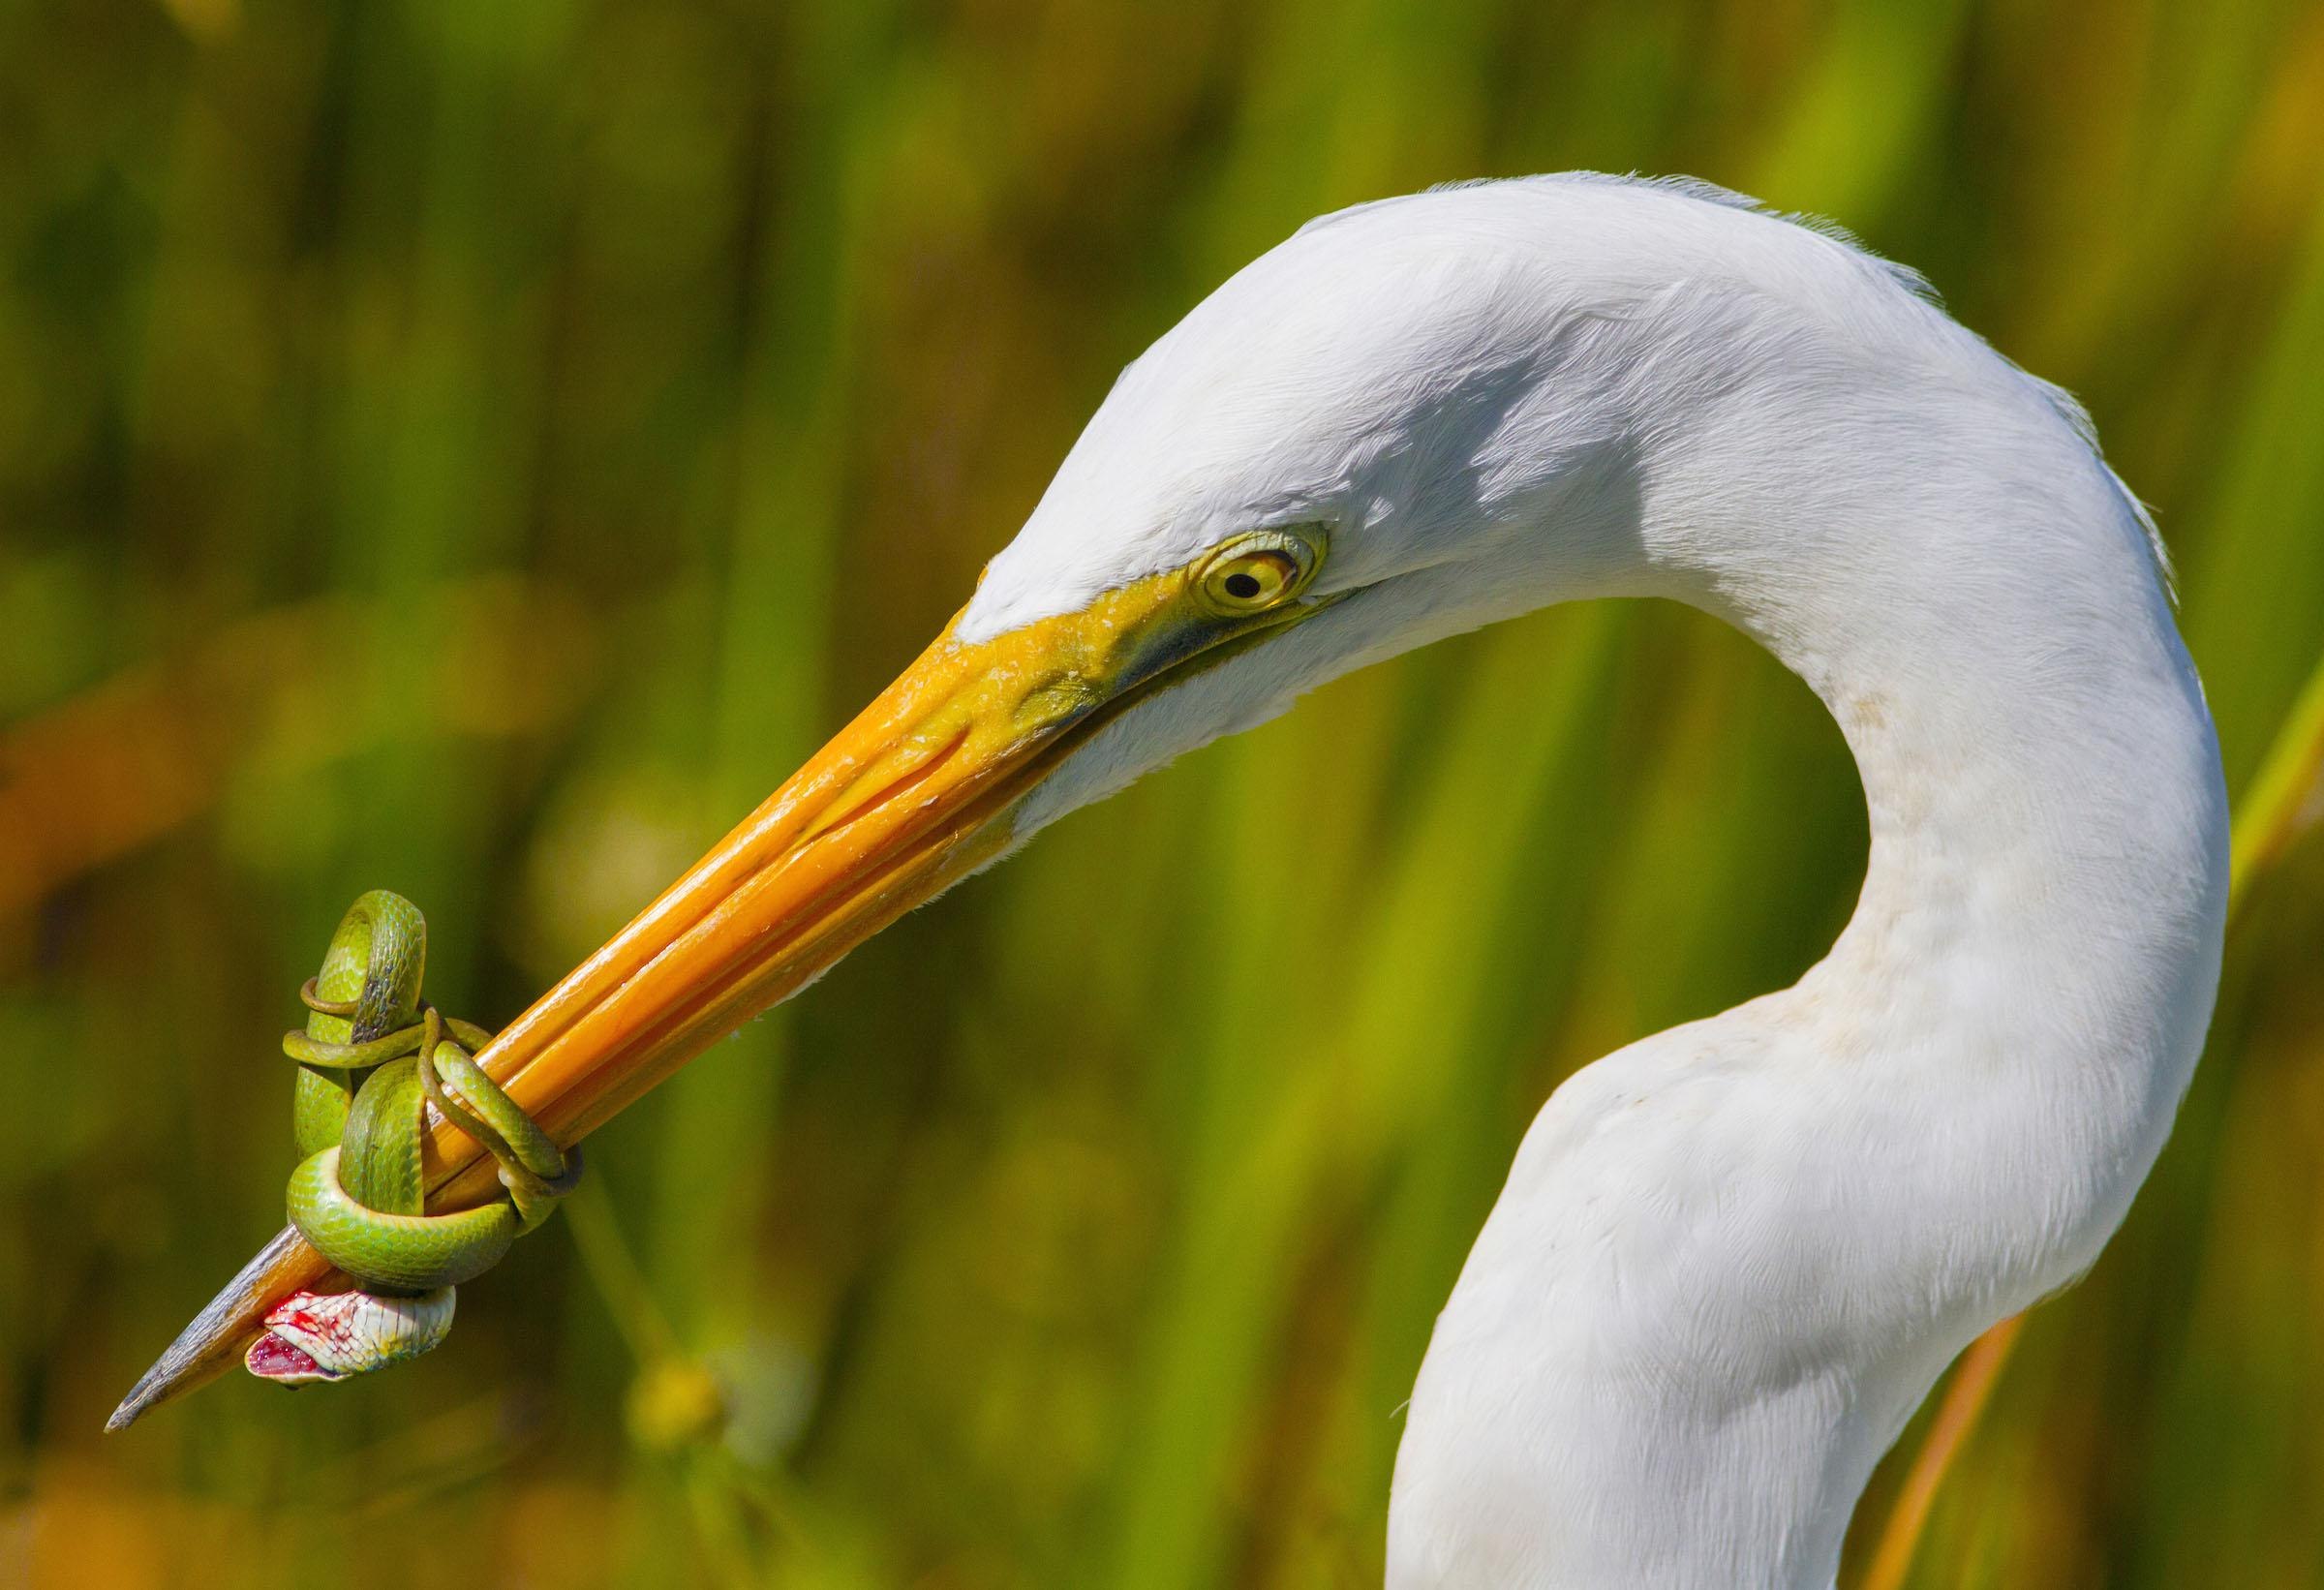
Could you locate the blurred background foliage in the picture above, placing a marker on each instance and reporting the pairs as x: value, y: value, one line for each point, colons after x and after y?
x: 478, y: 448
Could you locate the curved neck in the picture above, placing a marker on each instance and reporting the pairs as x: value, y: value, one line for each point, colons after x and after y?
x: 1939, y: 1124
x: 2021, y: 992
x: 1732, y: 1258
x: 1971, y: 595
x: 2036, y: 948
x: 2047, y: 870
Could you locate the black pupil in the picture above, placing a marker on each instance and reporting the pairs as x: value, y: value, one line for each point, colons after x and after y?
x: 1242, y: 587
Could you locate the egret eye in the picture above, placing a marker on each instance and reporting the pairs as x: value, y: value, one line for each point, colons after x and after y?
x: 1253, y: 580
x: 1255, y: 573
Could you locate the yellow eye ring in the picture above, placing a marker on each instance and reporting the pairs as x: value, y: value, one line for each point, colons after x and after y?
x: 1255, y: 573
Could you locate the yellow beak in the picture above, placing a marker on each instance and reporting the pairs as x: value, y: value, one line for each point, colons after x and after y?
x: 914, y: 795
x: 906, y: 800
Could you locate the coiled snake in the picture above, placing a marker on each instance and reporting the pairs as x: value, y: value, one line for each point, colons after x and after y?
x: 374, y: 1057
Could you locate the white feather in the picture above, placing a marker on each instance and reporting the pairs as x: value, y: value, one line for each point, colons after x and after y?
x: 1732, y: 1258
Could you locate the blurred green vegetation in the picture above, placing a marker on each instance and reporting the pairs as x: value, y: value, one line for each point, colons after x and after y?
x: 663, y: 371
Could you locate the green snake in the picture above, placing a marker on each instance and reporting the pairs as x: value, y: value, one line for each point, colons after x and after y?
x: 373, y: 1058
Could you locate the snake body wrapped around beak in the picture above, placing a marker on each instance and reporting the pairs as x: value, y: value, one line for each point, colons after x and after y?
x: 372, y: 1060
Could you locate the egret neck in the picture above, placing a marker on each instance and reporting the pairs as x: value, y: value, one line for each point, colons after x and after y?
x: 1731, y: 1259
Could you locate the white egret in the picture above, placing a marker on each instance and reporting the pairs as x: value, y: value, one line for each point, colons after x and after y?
x: 1729, y: 1259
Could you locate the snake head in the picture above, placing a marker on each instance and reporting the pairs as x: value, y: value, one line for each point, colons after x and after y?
x: 312, y: 1336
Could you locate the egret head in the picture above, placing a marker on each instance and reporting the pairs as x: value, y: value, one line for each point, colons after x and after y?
x: 1351, y: 448
x: 1429, y: 420
x: 1409, y: 419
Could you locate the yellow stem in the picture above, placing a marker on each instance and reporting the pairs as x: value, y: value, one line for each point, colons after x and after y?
x: 2281, y: 803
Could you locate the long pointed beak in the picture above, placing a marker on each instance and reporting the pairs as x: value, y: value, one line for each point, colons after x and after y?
x: 914, y: 795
